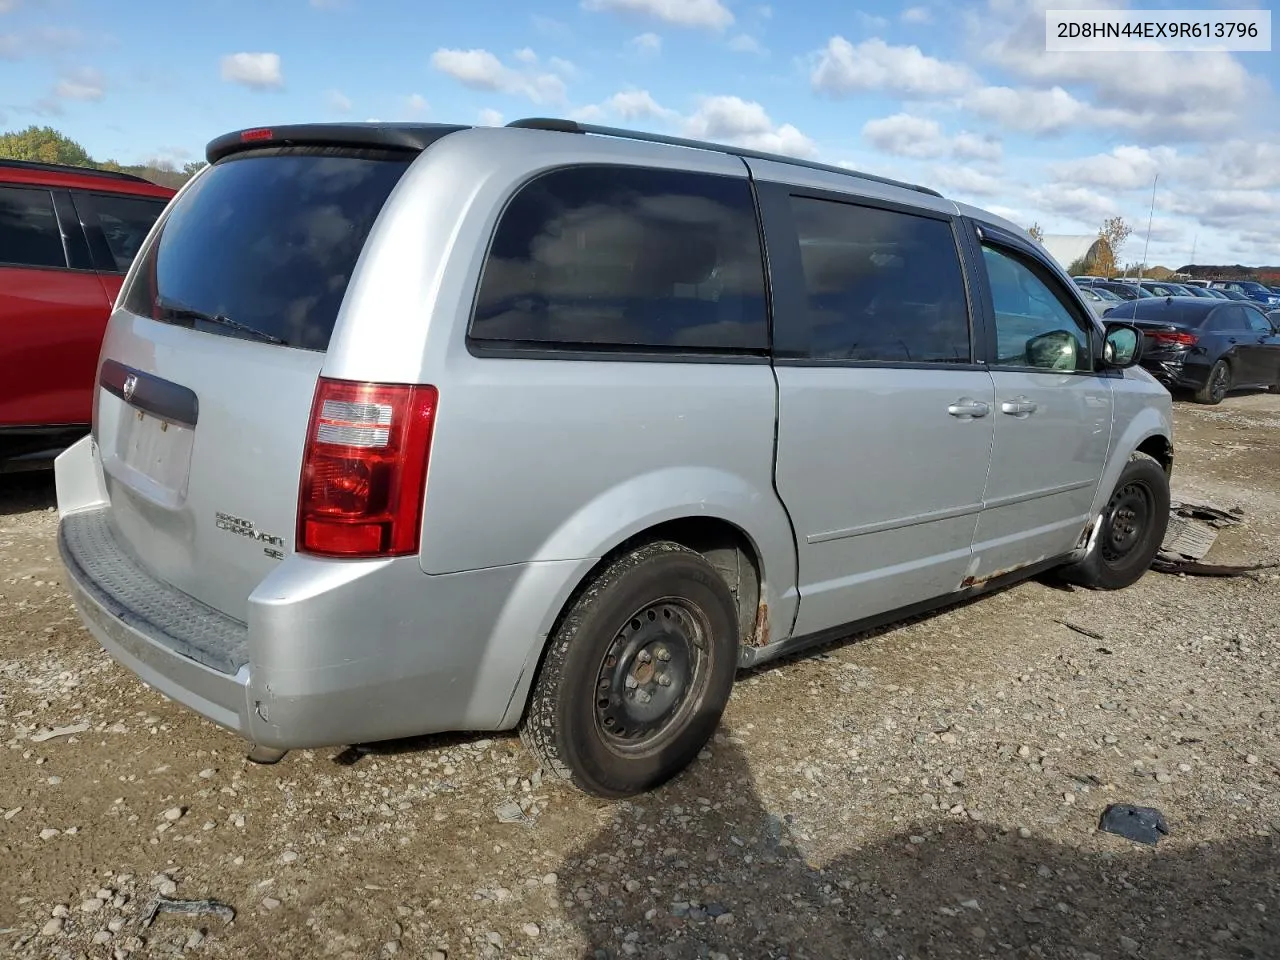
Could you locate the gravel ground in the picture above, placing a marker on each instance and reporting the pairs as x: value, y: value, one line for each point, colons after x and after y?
x: 930, y: 790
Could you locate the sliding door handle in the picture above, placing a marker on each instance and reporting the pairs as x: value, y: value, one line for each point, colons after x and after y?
x: 1018, y: 407
x: 966, y: 408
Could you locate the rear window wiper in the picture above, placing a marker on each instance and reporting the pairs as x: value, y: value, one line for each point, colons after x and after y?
x: 172, y: 310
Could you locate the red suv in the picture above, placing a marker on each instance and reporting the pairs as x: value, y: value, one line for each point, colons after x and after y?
x: 67, y: 236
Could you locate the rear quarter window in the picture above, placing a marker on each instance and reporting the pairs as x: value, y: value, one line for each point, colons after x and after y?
x: 610, y: 257
x: 122, y: 223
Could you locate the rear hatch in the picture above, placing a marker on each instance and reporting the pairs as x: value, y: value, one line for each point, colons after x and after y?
x: 210, y: 363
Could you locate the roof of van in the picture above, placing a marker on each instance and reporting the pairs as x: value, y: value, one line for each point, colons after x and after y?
x: 418, y: 136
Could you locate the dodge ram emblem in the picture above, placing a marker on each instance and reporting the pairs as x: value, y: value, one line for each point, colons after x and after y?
x: 130, y: 385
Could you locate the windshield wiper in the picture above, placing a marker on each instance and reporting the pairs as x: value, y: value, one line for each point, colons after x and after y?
x: 172, y: 310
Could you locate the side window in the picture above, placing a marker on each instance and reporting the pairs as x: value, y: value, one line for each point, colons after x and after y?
x: 1034, y: 327
x: 124, y: 221
x: 1257, y: 322
x: 29, y: 234
x: 1219, y: 320
x: 1233, y: 318
x: 611, y: 256
x: 880, y: 285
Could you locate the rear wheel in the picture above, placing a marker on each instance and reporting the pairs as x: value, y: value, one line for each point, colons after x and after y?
x: 637, y: 674
x: 1133, y: 526
x: 1216, y: 384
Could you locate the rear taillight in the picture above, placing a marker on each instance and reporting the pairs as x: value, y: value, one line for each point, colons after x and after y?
x: 364, y: 472
x: 1179, y: 339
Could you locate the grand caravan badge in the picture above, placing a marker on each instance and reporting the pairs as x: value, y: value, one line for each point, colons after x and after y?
x: 245, y: 528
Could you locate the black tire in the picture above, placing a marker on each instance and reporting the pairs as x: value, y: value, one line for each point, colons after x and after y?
x: 585, y: 721
x: 1216, y: 385
x: 1134, y: 522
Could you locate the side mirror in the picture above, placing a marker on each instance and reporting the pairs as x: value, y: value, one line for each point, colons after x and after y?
x: 1056, y: 350
x: 1122, y: 347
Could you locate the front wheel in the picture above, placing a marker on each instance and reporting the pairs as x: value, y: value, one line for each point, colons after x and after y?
x: 1133, y: 525
x: 637, y: 673
x: 1216, y: 384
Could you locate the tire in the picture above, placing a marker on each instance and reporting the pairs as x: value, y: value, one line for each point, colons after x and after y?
x: 1216, y: 385
x: 1134, y: 522
x: 585, y: 722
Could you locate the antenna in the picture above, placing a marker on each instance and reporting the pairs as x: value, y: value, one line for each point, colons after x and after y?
x: 1150, y: 217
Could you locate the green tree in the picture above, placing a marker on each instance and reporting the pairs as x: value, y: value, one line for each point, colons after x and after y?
x: 189, y: 170
x: 45, y: 145
x: 1079, y: 267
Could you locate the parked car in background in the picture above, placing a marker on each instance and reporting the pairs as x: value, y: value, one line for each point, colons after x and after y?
x: 1235, y: 295
x: 1125, y: 291
x: 1206, y: 346
x: 1099, y: 300
x: 1165, y: 288
x: 663, y: 444
x: 1252, y: 290
x: 1204, y: 293
x: 67, y: 237
x: 1215, y: 294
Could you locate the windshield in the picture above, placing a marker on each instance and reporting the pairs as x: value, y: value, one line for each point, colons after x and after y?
x: 264, y: 243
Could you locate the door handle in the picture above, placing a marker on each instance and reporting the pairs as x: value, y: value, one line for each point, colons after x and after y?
x: 1018, y: 407
x: 966, y: 408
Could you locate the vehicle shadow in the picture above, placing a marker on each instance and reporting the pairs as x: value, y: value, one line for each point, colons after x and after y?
x: 26, y: 491
x: 662, y: 878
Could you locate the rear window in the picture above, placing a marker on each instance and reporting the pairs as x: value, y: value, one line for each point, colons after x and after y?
x: 608, y: 257
x: 124, y: 222
x: 267, y: 240
x: 1185, y: 312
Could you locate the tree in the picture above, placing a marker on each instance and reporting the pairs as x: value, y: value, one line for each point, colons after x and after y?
x: 1113, y: 233
x: 1037, y: 232
x: 1079, y: 267
x: 45, y: 145
x: 189, y: 170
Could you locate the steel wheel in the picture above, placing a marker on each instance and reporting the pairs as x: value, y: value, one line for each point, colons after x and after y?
x: 1128, y: 516
x: 651, y: 675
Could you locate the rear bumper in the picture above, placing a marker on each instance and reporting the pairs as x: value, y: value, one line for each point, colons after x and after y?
x: 1177, y: 373
x: 334, y: 652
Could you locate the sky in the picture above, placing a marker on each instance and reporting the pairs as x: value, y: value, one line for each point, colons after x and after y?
x: 959, y: 96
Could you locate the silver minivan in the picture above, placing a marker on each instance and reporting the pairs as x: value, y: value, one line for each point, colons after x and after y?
x: 414, y: 428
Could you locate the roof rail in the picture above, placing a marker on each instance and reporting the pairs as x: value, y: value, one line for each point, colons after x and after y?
x: 573, y: 126
x: 70, y: 168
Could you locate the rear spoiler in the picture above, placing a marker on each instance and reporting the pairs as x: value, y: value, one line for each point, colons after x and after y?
x: 410, y: 137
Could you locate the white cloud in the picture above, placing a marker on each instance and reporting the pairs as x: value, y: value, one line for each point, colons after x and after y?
x: 906, y: 136
x: 481, y: 70
x: 416, y: 103
x: 975, y: 146
x: 1027, y: 110
x: 1125, y: 168
x: 710, y: 14
x: 744, y: 43
x: 966, y: 181
x: 338, y: 101
x: 917, y: 15
x: 42, y: 40
x: 83, y: 84
x: 647, y: 44
x: 1076, y: 203
x: 8, y: 6
x: 843, y: 68
x: 1160, y: 95
x: 871, y: 22
x: 565, y: 68
x: 745, y: 123
x: 490, y: 118
x: 637, y: 104
x: 526, y: 55
x: 257, y: 71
